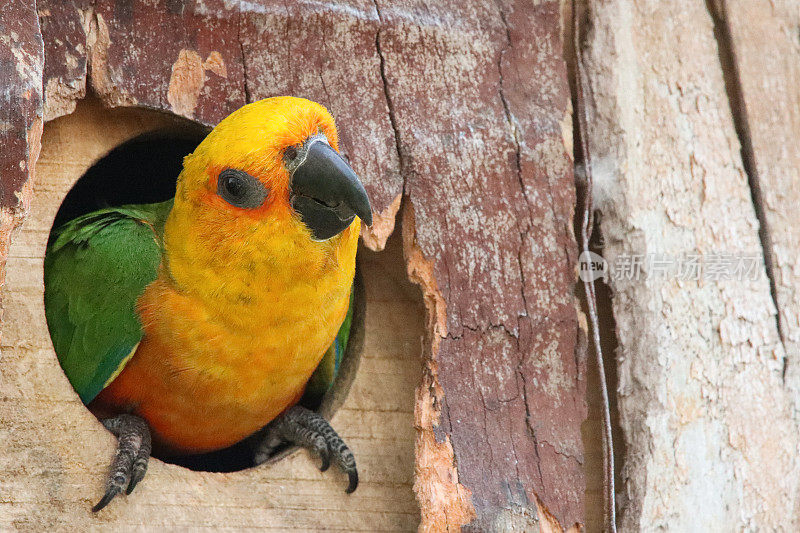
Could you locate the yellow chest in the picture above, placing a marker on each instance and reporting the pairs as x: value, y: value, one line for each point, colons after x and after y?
x: 222, y: 359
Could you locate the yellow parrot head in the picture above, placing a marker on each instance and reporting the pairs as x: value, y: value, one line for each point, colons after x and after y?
x: 270, y: 175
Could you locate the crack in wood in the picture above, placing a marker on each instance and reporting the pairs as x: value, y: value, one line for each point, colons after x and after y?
x: 586, y: 225
x: 738, y: 107
x: 388, y: 96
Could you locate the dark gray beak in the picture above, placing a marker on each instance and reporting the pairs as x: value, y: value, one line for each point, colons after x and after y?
x: 325, y: 191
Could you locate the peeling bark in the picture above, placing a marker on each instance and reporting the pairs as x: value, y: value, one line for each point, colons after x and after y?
x: 505, y: 363
x: 65, y: 61
x: 21, y: 65
x: 382, y: 226
x: 185, y: 83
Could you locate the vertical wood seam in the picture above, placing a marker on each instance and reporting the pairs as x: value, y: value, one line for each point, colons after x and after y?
x: 738, y: 107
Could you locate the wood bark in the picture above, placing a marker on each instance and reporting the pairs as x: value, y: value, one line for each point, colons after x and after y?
x: 21, y: 63
x: 768, y: 78
x: 710, y: 425
x: 459, y: 113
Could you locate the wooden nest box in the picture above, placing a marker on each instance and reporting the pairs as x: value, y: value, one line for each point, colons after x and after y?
x: 467, y: 405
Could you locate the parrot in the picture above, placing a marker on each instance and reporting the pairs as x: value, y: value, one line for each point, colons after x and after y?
x: 189, y: 325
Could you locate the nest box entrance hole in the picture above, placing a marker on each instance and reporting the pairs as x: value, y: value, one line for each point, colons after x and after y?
x: 98, y: 157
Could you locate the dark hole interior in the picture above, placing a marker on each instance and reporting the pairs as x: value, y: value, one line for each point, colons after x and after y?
x: 145, y: 170
x: 142, y: 170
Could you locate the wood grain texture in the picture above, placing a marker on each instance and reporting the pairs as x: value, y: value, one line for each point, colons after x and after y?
x: 56, y: 452
x: 768, y: 75
x: 463, y: 112
x: 494, y: 225
x: 710, y: 430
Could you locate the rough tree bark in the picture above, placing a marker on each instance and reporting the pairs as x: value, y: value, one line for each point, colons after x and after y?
x: 21, y: 63
x: 461, y: 113
x: 767, y: 102
x: 710, y: 424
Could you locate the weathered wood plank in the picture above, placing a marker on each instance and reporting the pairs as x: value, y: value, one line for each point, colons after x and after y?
x: 490, y: 181
x: 703, y: 406
x: 765, y: 42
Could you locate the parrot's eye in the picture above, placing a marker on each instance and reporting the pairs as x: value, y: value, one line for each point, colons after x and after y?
x: 290, y: 153
x: 240, y: 189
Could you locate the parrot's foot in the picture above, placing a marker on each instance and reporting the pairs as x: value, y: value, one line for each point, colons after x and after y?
x: 309, y: 430
x: 130, y: 461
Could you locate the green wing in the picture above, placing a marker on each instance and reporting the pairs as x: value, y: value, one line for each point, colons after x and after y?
x: 323, y: 377
x: 96, y: 267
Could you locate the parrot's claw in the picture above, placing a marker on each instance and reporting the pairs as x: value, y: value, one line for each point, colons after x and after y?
x: 309, y: 430
x: 130, y: 462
